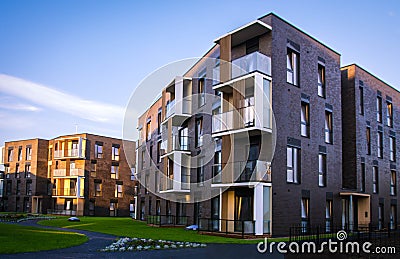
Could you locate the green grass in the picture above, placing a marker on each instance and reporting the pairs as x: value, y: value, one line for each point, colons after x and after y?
x: 18, y: 239
x: 126, y: 227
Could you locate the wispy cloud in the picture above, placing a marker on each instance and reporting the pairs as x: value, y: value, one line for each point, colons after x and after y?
x: 64, y: 102
x: 13, y: 104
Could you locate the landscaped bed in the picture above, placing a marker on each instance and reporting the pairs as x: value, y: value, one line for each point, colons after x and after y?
x: 143, y: 244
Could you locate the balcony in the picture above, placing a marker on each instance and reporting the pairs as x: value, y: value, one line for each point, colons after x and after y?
x: 72, y: 172
x: 71, y: 153
x: 64, y: 192
x: 77, y: 172
x: 178, y: 176
x: 243, y: 171
x: 253, y: 62
x: 178, y: 144
x: 59, y: 172
x: 233, y: 120
x: 179, y: 106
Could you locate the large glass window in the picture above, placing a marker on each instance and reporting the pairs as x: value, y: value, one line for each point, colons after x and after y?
x: 368, y: 138
x: 292, y: 66
x: 305, y: 214
x: 199, y: 132
x: 389, y: 114
x: 328, y: 127
x: 321, y: 80
x: 322, y: 170
x: 375, y: 179
x: 380, y: 144
x: 293, y: 165
x: 392, y: 149
x: 379, y: 109
x: 393, y: 183
x: 98, y: 150
x: 328, y: 216
x: 115, y: 152
x: 305, y: 119
x: 28, y: 152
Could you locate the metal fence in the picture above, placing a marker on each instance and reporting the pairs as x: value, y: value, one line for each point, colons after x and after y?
x: 227, y: 226
x: 167, y: 220
x: 372, y: 233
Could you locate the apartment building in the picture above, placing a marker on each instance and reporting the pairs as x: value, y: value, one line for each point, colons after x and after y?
x: 79, y: 174
x: 25, y: 176
x: 271, y: 89
x: 370, y: 148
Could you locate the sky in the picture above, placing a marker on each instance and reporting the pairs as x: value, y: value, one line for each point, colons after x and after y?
x: 67, y: 65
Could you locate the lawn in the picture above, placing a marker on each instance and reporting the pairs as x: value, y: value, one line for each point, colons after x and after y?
x: 18, y: 239
x: 126, y: 227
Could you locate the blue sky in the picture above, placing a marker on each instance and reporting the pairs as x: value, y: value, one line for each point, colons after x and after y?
x: 64, y: 63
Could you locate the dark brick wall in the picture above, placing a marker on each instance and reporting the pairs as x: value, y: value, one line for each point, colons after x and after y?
x: 352, y: 77
x: 286, y: 102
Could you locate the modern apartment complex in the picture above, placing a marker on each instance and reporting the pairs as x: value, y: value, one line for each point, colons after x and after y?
x: 370, y: 153
x: 80, y: 174
x: 25, y: 163
x: 266, y: 99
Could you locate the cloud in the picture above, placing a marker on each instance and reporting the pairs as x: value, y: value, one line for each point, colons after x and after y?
x: 64, y: 102
x: 10, y: 104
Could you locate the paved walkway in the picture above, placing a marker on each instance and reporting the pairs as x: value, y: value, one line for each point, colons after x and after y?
x: 97, y: 241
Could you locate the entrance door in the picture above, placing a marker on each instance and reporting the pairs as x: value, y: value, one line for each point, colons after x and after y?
x: 243, y: 209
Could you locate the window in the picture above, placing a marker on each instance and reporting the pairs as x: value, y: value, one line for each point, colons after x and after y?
x: 18, y: 189
x: 292, y: 65
x: 148, y: 130
x: 379, y: 109
x: 91, y: 208
x: 368, y: 136
x: 322, y: 170
x: 393, y: 216
x: 142, y: 159
x: 375, y: 179
x: 393, y: 187
x: 305, y: 212
x: 28, y: 152
x: 113, y: 209
x: 199, y: 132
x: 328, y: 216
x: 201, y: 91
x: 362, y: 188
x: 293, y: 165
x: 19, y: 153
x: 98, y: 150
x: 98, y: 189
x: 389, y: 114
x: 133, y: 175
x: 93, y: 168
x: 380, y: 144
x: 10, y: 154
x: 321, y: 80
x: 28, y: 188
x: 149, y: 206
x: 9, y: 188
x: 114, y: 171
x: 328, y: 127
x: 200, y: 172
x: 115, y: 152
x: 380, y: 217
x: 17, y: 174
x: 7, y: 171
x: 159, y: 118
x: 159, y: 152
x: 158, y: 207
x: 28, y: 171
x: 305, y: 119
x: 252, y: 45
x: 118, y: 190
x: 392, y: 148
x: 361, y: 96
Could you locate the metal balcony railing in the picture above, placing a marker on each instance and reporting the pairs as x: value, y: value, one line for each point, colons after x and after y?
x: 243, y: 171
x: 64, y: 192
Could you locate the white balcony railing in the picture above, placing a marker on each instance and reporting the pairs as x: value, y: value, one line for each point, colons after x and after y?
x: 255, y: 61
x: 60, y: 172
x: 183, y: 107
x: 73, y: 152
x: 232, y: 120
x: 76, y: 172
